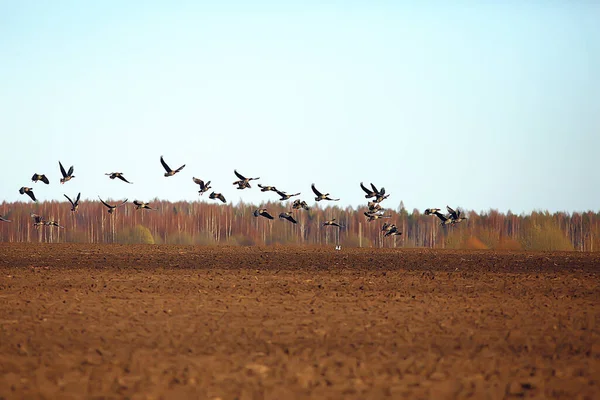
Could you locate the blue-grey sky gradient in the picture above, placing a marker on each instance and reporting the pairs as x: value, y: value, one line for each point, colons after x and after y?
x: 473, y: 104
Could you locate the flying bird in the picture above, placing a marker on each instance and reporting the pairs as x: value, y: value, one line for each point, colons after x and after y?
x: 119, y: 175
x: 267, y: 188
x: 38, y: 220
x: 169, y: 172
x: 369, y: 192
x: 321, y: 196
x: 455, y: 215
x: 203, y: 186
x: 284, y: 196
x: 53, y: 223
x: 287, y: 215
x: 66, y: 176
x: 393, y: 231
x: 263, y: 213
x: 28, y: 191
x: 111, y: 208
x: 374, y: 207
x: 242, y: 181
x: 373, y: 216
x: 140, y: 205
x: 40, y: 177
x: 331, y: 222
x: 298, y: 204
x: 214, y: 195
x: 74, y: 204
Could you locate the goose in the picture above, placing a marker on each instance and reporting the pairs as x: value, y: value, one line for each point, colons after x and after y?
x: 455, y: 215
x: 284, y: 196
x: 169, y: 172
x: 40, y: 177
x: 3, y: 219
x: 214, y: 195
x: 287, y: 215
x: 321, y: 196
x: 431, y: 211
x: 53, y: 223
x: 111, y: 209
x: 263, y: 213
x: 381, y: 196
x: 331, y: 222
x: 119, y: 175
x: 393, y: 231
x: 267, y: 188
x: 374, y: 207
x: 203, y: 186
x: 298, y: 204
x: 38, y: 220
x: 66, y: 176
x: 243, y: 182
x: 29, y: 192
x: 74, y: 204
x: 369, y: 193
x: 140, y: 205
x: 373, y: 216
x: 386, y: 226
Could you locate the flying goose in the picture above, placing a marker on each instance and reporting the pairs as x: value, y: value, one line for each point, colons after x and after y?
x: 374, y: 207
x: 263, y: 213
x: 243, y: 182
x: 455, y: 215
x: 28, y: 191
x: 66, y: 176
x: 298, y: 204
x: 287, y: 215
x: 3, y: 219
x: 331, y: 222
x: 381, y: 196
x: 140, y: 205
x: 373, y: 216
x: 119, y: 175
x: 431, y: 211
x: 267, y: 188
x: 203, y: 186
x: 214, y: 195
x: 169, y: 172
x: 74, y: 204
x: 37, y: 220
x: 321, y: 196
x: 369, y: 193
x: 111, y: 209
x: 393, y: 231
x: 53, y: 223
x: 284, y: 196
x: 40, y: 177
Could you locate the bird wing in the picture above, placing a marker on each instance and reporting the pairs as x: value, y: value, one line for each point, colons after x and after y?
x: 290, y: 218
x: 121, y: 177
x: 45, y: 180
x: 240, y: 176
x: 374, y: 188
x: 62, y: 170
x: 105, y: 203
x: 137, y: 203
x: 281, y: 193
x: 367, y: 191
x: 78, y: 197
x: 30, y: 194
x: 451, y: 211
x: 124, y: 201
x: 164, y: 164
x: 266, y: 214
x: 221, y: 197
x: 70, y: 201
x: 71, y: 170
x: 198, y: 181
x: 180, y: 168
x: 440, y: 216
x: 314, y: 189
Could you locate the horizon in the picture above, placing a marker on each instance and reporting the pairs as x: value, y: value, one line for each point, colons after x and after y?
x: 486, y: 107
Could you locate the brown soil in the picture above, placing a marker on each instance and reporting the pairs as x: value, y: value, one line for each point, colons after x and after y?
x: 288, y: 323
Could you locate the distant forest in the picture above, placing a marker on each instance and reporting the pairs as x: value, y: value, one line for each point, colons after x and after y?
x: 202, y: 223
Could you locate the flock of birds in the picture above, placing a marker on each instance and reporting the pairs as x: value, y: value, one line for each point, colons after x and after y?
x: 374, y: 211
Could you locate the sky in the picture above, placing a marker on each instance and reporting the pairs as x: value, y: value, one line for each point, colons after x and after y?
x: 478, y: 105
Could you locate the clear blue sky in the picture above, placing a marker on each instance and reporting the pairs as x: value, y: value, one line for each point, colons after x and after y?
x: 473, y: 104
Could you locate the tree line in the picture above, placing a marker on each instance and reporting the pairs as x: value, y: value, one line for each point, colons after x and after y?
x: 202, y: 223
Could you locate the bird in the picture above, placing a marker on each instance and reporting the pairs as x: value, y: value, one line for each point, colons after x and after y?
x: 28, y: 191
x: 119, y: 175
x: 321, y: 196
x: 455, y: 215
x: 331, y: 222
x: 380, y: 196
x: 243, y: 182
x: 53, y: 223
x: 284, y: 196
x: 140, y: 205
x: 393, y: 231
x: 74, y: 204
x: 374, y: 207
x: 287, y: 215
x: 263, y: 213
x: 430, y: 211
x: 66, y: 176
x: 169, y: 172
x: 369, y: 193
x: 40, y: 177
x: 445, y: 220
x: 214, y: 195
x: 298, y: 204
x: 3, y: 219
x: 267, y: 188
x: 203, y: 186
x: 373, y: 216
x: 111, y: 209
x: 38, y: 220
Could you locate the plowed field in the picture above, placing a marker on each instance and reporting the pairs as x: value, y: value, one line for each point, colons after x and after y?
x: 292, y: 323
